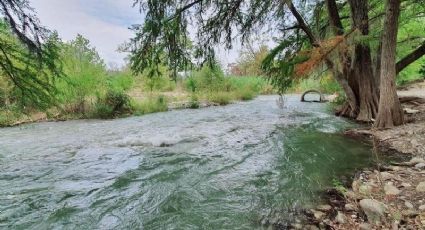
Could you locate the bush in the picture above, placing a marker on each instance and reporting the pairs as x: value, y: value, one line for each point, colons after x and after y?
x: 115, y: 103
x: 194, y: 102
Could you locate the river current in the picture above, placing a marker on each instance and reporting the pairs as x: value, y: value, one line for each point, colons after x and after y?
x: 242, y: 166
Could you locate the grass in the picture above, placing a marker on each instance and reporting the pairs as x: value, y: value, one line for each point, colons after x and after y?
x: 151, y: 104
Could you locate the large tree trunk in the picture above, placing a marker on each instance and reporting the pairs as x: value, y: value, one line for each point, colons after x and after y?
x: 390, y: 111
x: 363, y: 82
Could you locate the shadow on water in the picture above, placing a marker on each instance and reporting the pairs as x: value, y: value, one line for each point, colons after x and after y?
x: 243, y: 166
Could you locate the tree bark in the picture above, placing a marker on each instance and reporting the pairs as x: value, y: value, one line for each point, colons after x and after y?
x: 363, y: 81
x: 390, y: 111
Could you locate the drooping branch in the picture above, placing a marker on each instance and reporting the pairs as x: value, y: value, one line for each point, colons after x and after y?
x: 410, y: 58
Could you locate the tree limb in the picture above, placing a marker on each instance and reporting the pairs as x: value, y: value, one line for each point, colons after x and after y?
x: 410, y: 58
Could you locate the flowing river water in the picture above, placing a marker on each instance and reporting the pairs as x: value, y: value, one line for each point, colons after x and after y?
x: 240, y: 166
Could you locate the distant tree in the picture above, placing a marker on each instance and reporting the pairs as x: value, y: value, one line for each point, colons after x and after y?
x: 28, y: 53
x: 251, y: 59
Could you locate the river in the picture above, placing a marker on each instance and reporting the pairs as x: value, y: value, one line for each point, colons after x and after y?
x: 241, y: 166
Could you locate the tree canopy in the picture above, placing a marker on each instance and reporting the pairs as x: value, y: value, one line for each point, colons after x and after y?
x: 28, y: 52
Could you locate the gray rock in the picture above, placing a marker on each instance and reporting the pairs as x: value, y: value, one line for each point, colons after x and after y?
x: 374, y: 210
x: 421, y: 187
x: 340, y: 218
x: 318, y: 215
x: 365, y: 226
x: 408, y: 204
x: 349, y: 207
x: 390, y: 189
x: 422, y: 207
x: 420, y: 166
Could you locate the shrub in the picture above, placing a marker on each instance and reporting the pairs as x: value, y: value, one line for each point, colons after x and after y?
x: 194, y: 102
x: 115, y: 103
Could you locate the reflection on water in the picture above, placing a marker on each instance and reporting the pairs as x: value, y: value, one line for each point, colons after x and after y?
x: 235, y: 167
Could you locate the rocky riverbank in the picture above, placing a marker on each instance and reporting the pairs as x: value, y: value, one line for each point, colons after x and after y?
x: 391, y: 195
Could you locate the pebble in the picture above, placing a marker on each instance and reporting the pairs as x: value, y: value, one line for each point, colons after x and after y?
x: 416, y: 160
x: 408, y: 204
x: 421, y: 187
x: 422, y: 207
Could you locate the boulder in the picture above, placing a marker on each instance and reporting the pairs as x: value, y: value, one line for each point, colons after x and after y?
x: 373, y: 209
x: 420, y: 166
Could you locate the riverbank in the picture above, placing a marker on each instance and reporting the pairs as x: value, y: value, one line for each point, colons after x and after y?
x: 391, y: 195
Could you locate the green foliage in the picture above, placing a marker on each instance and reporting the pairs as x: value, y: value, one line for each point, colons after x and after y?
x: 120, y: 81
x: 115, y: 103
x: 194, y: 102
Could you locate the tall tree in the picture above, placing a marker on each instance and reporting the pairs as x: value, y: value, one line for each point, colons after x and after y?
x: 390, y: 111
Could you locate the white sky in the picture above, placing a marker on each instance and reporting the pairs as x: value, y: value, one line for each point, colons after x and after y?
x: 104, y: 22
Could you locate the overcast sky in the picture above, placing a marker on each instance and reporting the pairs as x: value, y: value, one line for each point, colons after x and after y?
x: 104, y: 22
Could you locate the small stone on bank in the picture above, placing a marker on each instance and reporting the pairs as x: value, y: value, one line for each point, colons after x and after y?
x: 422, y: 207
x: 340, y: 218
x: 408, y: 204
x: 421, y: 187
x: 365, y: 226
x: 349, y: 207
x: 374, y: 209
x: 390, y: 189
x: 420, y: 166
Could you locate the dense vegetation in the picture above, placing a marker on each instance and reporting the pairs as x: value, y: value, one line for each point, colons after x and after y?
x: 88, y: 89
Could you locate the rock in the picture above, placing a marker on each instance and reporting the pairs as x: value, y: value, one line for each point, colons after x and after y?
x: 349, y: 207
x: 318, y: 215
x: 422, y: 207
x: 420, y: 166
x: 390, y: 189
x: 408, y: 204
x: 340, y: 218
x: 312, y: 227
x: 365, y: 226
x: 324, y: 208
x: 421, y: 187
x: 386, y: 176
x: 374, y: 210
